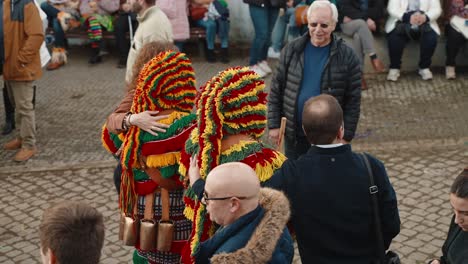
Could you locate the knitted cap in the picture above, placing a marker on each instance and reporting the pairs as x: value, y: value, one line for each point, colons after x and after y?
x: 232, y: 102
x: 166, y: 82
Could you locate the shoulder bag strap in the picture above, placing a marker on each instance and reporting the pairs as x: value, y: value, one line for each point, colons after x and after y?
x: 373, y: 190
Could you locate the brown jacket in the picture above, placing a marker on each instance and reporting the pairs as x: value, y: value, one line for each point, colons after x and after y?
x: 114, y: 121
x: 23, y: 36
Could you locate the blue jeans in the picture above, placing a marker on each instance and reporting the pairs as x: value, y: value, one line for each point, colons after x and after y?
x: 288, y: 20
x: 51, y: 13
x: 211, y: 26
x: 397, y: 43
x: 263, y: 19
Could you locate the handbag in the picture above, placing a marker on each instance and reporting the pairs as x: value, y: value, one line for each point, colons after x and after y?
x: 300, y: 13
x: 197, y: 12
x: 460, y: 24
x: 389, y: 257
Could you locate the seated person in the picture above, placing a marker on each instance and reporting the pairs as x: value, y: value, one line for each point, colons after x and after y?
x: 455, y: 39
x: 253, y: 220
x: 455, y: 249
x: 216, y: 20
x: 96, y: 16
x: 176, y: 11
x: 417, y: 20
x: 71, y: 232
x: 62, y: 15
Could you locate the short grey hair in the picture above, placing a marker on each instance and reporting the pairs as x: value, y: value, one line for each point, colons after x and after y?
x: 323, y: 3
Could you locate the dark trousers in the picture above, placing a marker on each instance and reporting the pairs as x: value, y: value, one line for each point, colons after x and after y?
x: 117, y: 177
x: 295, y: 147
x: 397, y: 43
x: 121, y: 29
x: 9, y: 109
x: 455, y: 40
x: 51, y: 13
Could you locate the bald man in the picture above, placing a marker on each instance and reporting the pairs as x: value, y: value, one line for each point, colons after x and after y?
x: 252, y: 219
x: 329, y: 192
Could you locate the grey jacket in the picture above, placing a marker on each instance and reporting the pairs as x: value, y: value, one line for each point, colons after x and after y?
x: 341, y: 78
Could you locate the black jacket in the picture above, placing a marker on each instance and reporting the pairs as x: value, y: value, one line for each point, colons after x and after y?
x: 455, y: 250
x: 351, y: 9
x: 264, y: 3
x: 341, y: 78
x: 331, y: 209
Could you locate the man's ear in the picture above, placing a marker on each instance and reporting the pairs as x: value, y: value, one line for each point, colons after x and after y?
x: 235, y: 205
x: 341, y: 132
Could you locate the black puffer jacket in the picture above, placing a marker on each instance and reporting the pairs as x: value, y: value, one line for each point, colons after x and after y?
x: 343, y: 82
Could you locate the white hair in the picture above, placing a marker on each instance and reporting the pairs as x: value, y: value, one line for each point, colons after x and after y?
x: 321, y: 4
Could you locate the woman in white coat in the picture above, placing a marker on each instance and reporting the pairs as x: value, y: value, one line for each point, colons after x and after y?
x: 412, y: 19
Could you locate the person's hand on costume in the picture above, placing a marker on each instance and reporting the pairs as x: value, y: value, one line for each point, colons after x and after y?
x: 194, y: 170
x: 148, y: 121
x: 371, y: 24
x: 273, y: 134
x: 346, y: 19
x: 435, y: 261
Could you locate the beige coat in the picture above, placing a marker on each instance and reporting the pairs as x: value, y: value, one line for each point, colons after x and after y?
x: 153, y: 26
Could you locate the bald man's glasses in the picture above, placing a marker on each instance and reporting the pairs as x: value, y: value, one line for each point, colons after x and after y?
x: 205, y: 198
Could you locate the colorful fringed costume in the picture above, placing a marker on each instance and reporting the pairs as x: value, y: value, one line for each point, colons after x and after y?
x: 165, y: 84
x: 231, y: 119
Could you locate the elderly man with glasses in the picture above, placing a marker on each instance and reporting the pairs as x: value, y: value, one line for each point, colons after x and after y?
x: 252, y: 219
x: 314, y: 64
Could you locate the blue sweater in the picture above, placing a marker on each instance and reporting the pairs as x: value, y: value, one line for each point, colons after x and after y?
x: 331, y: 206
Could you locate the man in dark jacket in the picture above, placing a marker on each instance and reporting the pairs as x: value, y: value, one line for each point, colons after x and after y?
x: 316, y: 63
x: 253, y: 220
x: 329, y: 193
x: 22, y: 37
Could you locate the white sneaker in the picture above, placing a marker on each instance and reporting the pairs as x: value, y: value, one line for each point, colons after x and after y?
x: 258, y: 70
x: 264, y: 66
x: 393, y: 75
x: 426, y: 74
x: 273, y: 54
x: 450, y: 72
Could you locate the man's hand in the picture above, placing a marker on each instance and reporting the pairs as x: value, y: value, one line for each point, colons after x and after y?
x: 371, y: 24
x: 273, y: 134
x: 435, y: 261
x: 148, y: 121
x: 194, y: 170
x: 346, y: 19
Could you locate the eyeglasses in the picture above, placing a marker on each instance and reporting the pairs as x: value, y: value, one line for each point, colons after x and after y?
x: 315, y: 24
x: 205, y: 198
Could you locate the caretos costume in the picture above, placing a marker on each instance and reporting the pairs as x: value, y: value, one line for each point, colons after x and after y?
x: 151, y: 195
x: 231, y: 119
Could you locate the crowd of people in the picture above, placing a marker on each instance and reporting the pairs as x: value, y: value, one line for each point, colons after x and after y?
x: 196, y: 184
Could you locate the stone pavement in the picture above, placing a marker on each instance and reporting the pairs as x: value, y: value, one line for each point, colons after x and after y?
x: 419, y: 129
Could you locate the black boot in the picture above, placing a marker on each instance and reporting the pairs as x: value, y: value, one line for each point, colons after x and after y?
x: 95, y: 57
x: 224, y: 55
x: 9, y: 113
x: 210, y: 56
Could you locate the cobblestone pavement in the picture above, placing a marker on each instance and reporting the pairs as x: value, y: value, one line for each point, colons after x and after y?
x: 419, y: 129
